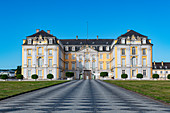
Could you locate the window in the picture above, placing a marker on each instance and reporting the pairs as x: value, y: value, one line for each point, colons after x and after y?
x: 107, y: 65
x: 101, y: 56
x: 80, y: 66
x: 108, y: 56
x: 155, y: 72
x: 80, y: 57
x: 144, y: 61
x: 87, y: 56
x: 101, y: 48
x: 66, y: 64
x: 133, y: 61
x: 93, y: 57
x: 40, y: 62
x: 50, y: 71
x: 50, y: 51
x: 29, y: 41
x: 66, y: 56
x: 123, y: 71
x: 39, y: 51
x: 29, y: 62
x: 29, y: 51
x: 50, y: 62
x: 50, y: 41
x: 107, y: 48
x: 123, y: 51
x: 144, y: 73
x: 166, y: 71
x: 161, y: 72
x: 101, y: 65
x: 133, y: 73
x: 133, y: 51
x: 87, y: 65
x: 93, y: 65
x: 29, y: 73
x: 40, y: 73
x: 73, y: 66
x: 123, y: 61
x: 66, y: 48
x: 144, y: 51
x: 73, y: 56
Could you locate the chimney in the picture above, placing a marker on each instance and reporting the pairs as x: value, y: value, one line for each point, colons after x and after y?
x: 162, y: 63
x: 97, y: 37
x: 37, y: 30
x: 154, y: 62
x: 48, y: 31
x: 128, y: 30
x: 76, y: 37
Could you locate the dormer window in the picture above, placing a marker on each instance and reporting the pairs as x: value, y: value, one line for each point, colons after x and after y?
x: 67, y: 42
x: 92, y: 42
x: 107, y: 48
x: 50, y: 41
x: 155, y: 67
x: 66, y: 48
x: 29, y: 41
x: 123, y: 41
x: 80, y: 42
x: 73, y: 48
x: 106, y: 42
x: 101, y: 48
x: 144, y: 41
x: 165, y: 67
x: 160, y: 67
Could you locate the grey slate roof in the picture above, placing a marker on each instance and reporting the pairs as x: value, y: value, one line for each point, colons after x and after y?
x: 159, y: 64
x: 132, y: 32
x: 42, y: 33
x: 86, y: 41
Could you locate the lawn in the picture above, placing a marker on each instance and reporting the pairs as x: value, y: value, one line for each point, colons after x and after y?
x: 9, y: 88
x: 159, y: 90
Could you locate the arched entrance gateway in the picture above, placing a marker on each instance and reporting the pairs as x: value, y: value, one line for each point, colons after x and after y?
x: 87, y: 75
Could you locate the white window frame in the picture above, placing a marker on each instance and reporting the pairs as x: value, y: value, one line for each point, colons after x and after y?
x: 50, y: 52
x: 50, y: 62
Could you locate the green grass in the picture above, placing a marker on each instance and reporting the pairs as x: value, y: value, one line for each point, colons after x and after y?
x: 9, y: 88
x: 159, y: 90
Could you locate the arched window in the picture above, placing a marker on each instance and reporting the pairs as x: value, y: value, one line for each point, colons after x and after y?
x: 87, y: 65
x: 40, y: 62
x: 39, y: 51
x: 133, y: 61
x: 133, y: 51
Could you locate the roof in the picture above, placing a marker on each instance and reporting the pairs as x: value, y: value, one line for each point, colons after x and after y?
x: 159, y: 64
x: 132, y: 32
x: 86, y: 41
x: 42, y: 33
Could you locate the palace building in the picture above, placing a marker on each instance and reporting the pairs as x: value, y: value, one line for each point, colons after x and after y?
x: 44, y: 53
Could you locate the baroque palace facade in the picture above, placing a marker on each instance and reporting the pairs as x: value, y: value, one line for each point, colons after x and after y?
x: 130, y: 53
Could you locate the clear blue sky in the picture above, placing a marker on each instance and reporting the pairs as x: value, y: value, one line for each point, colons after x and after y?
x: 67, y: 18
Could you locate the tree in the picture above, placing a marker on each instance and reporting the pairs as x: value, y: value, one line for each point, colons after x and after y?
x: 34, y: 76
x: 155, y: 76
x: 139, y: 75
x: 18, y: 71
x: 124, y: 76
x: 4, y: 76
x: 104, y: 74
x: 20, y: 76
x: 69, y: 74
x: 50, y: 76
x: 168, y: 76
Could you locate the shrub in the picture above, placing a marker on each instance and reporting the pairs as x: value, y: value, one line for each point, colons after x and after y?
x: 139, y: 75
x: 168, y: 76
x: 155, y: 76
x: 104, y: 74
x: 34, y: 76
x: 124, y: 76
x: 19, y: 76
x: 69, y: 74
x: 4, y: 76
x: 50, y: 76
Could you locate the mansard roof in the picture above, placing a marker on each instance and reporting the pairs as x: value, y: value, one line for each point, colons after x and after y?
x: 158, y: 65
x: 86, y: 41
x: 132, y: 32
x: 42, y: 33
